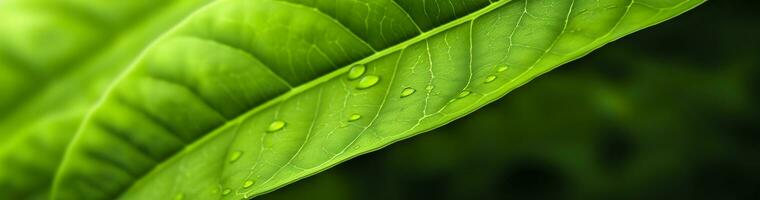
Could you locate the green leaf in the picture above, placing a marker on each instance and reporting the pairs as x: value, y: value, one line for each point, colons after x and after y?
x: 244, y: 97
x: 56, y: 59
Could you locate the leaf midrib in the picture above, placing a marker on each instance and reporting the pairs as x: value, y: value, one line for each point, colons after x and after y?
x: 311, y: 84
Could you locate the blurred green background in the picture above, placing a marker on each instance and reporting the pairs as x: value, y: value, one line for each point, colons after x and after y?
x: 666, y: 113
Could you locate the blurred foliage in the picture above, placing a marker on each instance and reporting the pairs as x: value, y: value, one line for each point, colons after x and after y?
x: 669, y: 113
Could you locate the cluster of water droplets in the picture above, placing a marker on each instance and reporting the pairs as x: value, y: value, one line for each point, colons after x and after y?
x: 234, y: 156
x: 356, y: 73
x: 493, y: 77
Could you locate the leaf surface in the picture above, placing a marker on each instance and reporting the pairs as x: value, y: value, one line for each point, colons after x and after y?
x: 244, y: 97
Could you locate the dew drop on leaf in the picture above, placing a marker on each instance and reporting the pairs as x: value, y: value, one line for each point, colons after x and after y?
x: 354, y: 117
x: 226, y: 192
x: 490, y: 78
x: 429, y: 87
x: 248, y: 184
x: 235, y: 155
x: 356, y: 71
x: 502, y: 69
x: 407, y: 91
x: 276, y: 126
x: 367, y: 82
x: 463, y: 94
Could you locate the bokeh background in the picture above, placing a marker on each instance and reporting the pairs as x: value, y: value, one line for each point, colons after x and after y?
x: 667, y: 113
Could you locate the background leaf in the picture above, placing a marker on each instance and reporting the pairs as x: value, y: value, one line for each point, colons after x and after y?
x: 258, y: 91
x: 56, y: 58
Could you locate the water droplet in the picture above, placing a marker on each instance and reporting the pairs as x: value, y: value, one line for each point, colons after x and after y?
x: 367, y: 82
x: 354, y: 117
x: 463, y: 94
x: 179, y: 196
x: 235, y: 155
x: 276, y: 126
x: 407, y: 91
x: 248, y: 184
x: 502, y: 69
x: 429, y: 87
x: 356, y: 71
x: 226, y: 192
x: 490, y: 78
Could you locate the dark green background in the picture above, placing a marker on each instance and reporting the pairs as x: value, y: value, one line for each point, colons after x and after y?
x: 667, y: 113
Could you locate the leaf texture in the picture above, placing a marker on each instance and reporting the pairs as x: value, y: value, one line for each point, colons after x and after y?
x: 246, y: 96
